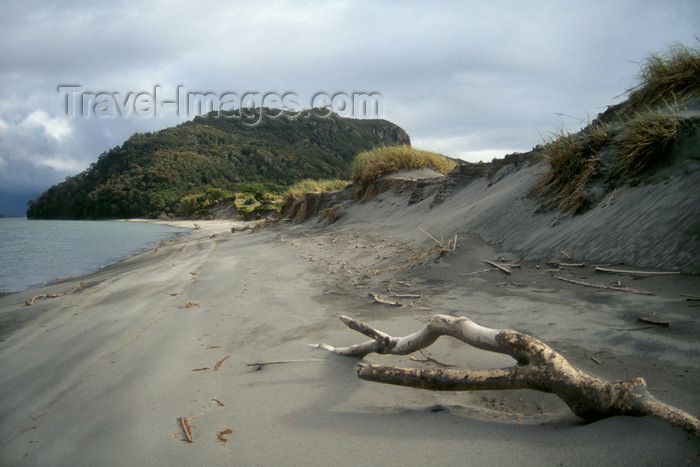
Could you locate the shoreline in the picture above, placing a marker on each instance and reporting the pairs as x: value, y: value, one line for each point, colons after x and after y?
x: 40, y: 253
x: 169, y: 333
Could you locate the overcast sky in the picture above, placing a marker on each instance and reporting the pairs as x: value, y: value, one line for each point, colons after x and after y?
x: 474, y: 80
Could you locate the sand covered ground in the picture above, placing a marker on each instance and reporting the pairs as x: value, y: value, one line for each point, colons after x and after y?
x: 103, y: 376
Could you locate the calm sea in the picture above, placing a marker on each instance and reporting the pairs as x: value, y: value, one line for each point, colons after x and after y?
x: 33, y: 252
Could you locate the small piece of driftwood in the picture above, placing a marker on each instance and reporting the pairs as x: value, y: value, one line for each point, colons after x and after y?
x: 435, y: 360
x: 278, y: 362
x: 496, y: 265
x: 480, y: 272
x: 410, y: 295
x: 636, y: 273
x: 559, y: 264
x: 185, y: 421
x: 653, y: 321
x: 606, y: 287
x: 440, y: 244
x: 221, y: 362
x: 223, y: 434
x: 381, y: 301
x: 186, y: 428
x: 31, y: 301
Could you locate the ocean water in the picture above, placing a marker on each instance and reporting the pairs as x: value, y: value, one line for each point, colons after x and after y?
x: 36, y: 252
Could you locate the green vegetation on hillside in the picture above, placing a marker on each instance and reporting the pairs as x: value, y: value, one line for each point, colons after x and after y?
x: 626, y: 141
x: 184, y: 170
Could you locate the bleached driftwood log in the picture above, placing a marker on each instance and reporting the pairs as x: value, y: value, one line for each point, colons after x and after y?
x: 538, y: 367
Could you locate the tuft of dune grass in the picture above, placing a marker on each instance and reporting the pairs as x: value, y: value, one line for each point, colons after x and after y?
x: 370, y: 165
x: 645, y: 142
x: 299, y: 189
x: 572, y: 162
x: 666, y: 78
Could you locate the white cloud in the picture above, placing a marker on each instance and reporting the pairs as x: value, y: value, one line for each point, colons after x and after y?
x: 60, y: 163
x: 57, y: 128
x: 463, y: 147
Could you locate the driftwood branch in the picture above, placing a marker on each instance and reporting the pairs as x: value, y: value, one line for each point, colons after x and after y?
x: 184, y: 421
x: 637, y: 273
x: 537, y: 367
x: 31, y: 301
x: 279, y: 362
x: 381, y: 301
x: 605, y: 287
x: 496, y: 265
x: 653, y: 321
x: 221, y: 362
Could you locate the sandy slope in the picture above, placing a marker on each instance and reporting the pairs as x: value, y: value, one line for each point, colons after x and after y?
x: 101, y: 377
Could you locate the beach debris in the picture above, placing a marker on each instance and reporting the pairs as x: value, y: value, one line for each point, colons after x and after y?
x: 538, y: 367
x: 559, y: 264
x: 218, y: 402
x: 606, y: 287
x: 189, y: 304
x: 31, y: 301
x: 278, y: 362
x: 394, y: 294
x: 690, y: 297
x: 480, y: 272
x: 185, y: 422
x: 636, y: 273
x: 223, y: 434
x: 221, y: 362
x: 428, y: 358
x: 186, y: 428
x: 204, y: 368
x: 496, y: 265
x: 653, y: 321
x: 450, y: 245
x: 381, y: 301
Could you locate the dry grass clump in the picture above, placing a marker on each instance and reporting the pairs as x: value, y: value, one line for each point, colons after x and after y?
x: 370, y: 165
x: 329, y: 214
x: 644, y: 142
x: 299, y: 189
x: 572, y: 161
x: 666, y: 78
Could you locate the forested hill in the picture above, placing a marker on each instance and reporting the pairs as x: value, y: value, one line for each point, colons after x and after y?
x: 154, y: 174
